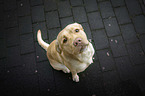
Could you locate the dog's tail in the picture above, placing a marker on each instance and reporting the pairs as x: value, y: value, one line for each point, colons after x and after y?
x: 41, y: 42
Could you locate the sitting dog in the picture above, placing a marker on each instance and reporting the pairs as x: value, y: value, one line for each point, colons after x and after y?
x: 70, y: 52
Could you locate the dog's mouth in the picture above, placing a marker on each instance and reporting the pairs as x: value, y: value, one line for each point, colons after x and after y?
x: 82, y: 48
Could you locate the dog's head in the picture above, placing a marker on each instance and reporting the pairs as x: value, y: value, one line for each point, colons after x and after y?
x: 72, y: 39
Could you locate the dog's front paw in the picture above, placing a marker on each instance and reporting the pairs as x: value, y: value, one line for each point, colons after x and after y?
x: 76, y: 78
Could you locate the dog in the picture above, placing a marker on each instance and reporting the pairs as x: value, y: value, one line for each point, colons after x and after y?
x: 70, y: 51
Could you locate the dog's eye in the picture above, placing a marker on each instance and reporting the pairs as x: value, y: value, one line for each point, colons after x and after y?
x: 64, y: 40
x: 77, y: 30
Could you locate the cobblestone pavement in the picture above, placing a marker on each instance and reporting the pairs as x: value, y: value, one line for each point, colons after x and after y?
x: 117, y: 31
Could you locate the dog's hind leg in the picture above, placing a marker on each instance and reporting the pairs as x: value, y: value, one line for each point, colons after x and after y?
x: 58, y: 66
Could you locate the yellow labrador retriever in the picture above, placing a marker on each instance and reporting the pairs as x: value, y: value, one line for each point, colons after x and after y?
x: 71, y: 51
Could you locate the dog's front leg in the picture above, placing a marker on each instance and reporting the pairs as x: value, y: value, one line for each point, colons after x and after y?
x: 75, y: 77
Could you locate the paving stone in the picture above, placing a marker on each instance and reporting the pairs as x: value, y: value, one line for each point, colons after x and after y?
x: 142, y: 40
x: 36, y: 2
x: 95, y: 20
x: 12, y: 36
x: 64, y: 8
x: 47, y: 83
x: 128, y: 33
x: 133, y: 7
x: 25, y: 25
x: 139, y: 73
x: 111, y: 27
x: 136, y: 53
x: 11, y: 19
x: 40, y: 52
x: 50, y: 5
x: 79, y: 14
x: 27, y: 43
x: 53, y: 34
x: 142, y: 5
x: 106, y: 60
x: 23, y: 7
x: 139, y: 23
x: 111, y: 80
x: 118, y: 47
x: 87, y: 30
x: 90, y: 5
x: 13, y: 56
x: 38, y: 13
x: 66, y: 21
x: 29, y: 63
x: 76, y: 2
x: 2, y: 70
x: 30, y: 85
x: 122, y: 15
x: 94, y: 88
x: 2, y: 48
x: 1, y: 11
x: 125, y: 68
x: 106, y: 9
x: 42, y: 27
x: 52, y: 19
x: 100, y: 39
x: 2, y: 28
x: 117, y: 3
x: 10, y: 5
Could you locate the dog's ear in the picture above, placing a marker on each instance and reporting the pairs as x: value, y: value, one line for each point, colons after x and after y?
x: 58, y: 49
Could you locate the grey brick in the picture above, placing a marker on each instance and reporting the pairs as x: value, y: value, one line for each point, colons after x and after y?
x: 106, y: 9
x: 139, y: 73
x: 40, y: 52
x: 38, y: 14
x: 142, y: 40
x: 87, y: 30
x: 100, y: 39
x: 2, y: 36
x: 118, y: 47
x: 125, y: 68
x: 79, y: 14
x: 2, y: 12
x: 66, y: 21
x: 76, y: 2
x: 53, y: 34
x: 117, y: 3
x: 122, y: 15
x: 64, y: 8
x: 25, y: 25
x: 136, y: 53
x: 45, y: 77
x: 111, y: 27
x: 10, y: 4
x: 23, y: 7
x: 12, y: 36
x: 13, y: 56
x: 106, y: 60
x: 27, y: 43
x: 128, y: 33
x: 111, y: 80
x: 11, y: 19
x: 91, y: 5
x: 36, y: 2
x: 29, y: 63
x: 42, y: 27
x: 2, y: 48
x: 50, y: 5
x: 95, y: 20
x: 52, y: 19
x: 133, y: 7
x: 139, y: 22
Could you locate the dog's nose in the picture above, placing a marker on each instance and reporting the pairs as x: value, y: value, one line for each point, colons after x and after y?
x: 77, y: 41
